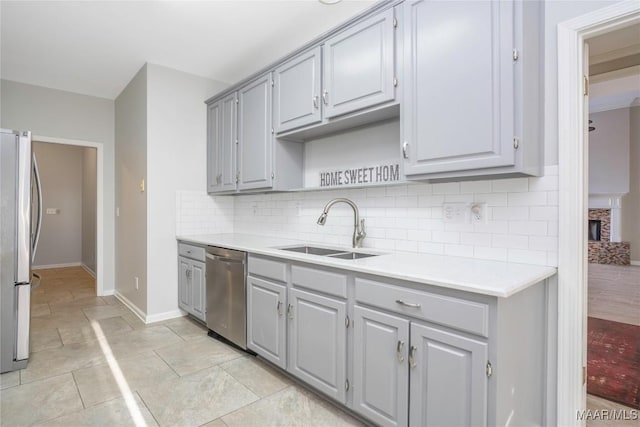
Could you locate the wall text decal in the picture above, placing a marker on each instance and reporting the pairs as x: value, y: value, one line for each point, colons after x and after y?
x: 366, y: 175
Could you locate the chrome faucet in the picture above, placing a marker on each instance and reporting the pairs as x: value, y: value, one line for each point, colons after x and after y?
x: 358, y: 224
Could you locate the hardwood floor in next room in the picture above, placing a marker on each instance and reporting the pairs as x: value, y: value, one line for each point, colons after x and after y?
x: 93, y: 362
x: 613, y: 294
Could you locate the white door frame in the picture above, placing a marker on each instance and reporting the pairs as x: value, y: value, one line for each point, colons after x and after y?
x: 573, y: 198
x: 100, y: 249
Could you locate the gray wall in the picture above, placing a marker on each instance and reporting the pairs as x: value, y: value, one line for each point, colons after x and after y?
x: 60, y: 114
x: 631, y: 202
x: 60, y: 169
x: 89, y: 199
x: 131, y: 167
x: 609, y: 152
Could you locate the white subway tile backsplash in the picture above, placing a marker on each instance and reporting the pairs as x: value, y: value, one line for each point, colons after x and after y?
x: 522, y: 217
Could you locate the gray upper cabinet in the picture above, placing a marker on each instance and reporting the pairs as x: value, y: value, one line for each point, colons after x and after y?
x: 296, y: 92
x: 255, y: 134
x: 221, y: 145
x: 471, y: 77
x: 448, y: 378
x: 358, y: 66
x: 380, y: 377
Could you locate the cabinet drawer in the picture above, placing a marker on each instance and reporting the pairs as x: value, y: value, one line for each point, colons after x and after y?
x: 191, y: 251
x: 457, y: 313
x: 268, y: 268
x: 328, y: 282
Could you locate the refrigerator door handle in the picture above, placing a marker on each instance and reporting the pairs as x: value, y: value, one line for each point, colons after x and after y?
x: 36, y: 236
x: 23, y: 273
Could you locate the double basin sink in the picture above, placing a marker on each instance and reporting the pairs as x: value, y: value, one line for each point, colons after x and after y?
x: 333, y: 253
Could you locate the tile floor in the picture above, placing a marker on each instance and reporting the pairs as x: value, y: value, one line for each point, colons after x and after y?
x: 94, y: 363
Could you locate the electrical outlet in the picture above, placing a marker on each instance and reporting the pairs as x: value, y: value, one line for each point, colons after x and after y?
x: 136, y: 282
x: 455, y: 213
x: 478, y: 213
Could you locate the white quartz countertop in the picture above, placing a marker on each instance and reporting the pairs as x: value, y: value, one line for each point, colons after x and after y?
x: 494, y: 278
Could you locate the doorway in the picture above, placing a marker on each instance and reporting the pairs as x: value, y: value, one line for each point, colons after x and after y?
x: 95, y: 153
x: 573, y: 200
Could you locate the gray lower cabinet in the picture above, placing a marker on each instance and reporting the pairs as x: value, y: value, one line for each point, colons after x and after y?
x: 266, y: 324
x: 255, y: 135
x: 317, y: 341
x: 192, y: 280
x: 468, y: 89
x: 380, y: 374
x: 448, y: 379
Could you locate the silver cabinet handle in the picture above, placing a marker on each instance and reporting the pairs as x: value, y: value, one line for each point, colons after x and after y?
x: 405, y: 150
x: 278, y: 308
x: 290, y: 311
x: 315, y: 102
x: 412, y: 356
x: 219, y: 178
x: 399, y: 351
x: 325, y: 97
x: 408, y: 304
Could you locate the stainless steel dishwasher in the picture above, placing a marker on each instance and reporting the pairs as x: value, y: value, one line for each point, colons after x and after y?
x: 226, y: 295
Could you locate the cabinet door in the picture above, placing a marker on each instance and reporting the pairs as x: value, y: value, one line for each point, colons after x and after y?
x: 266, y: 326
x: 255, y: 138
x: 214, y: 161
x: 381, y: 373
x: 358, y: 68
x: 198, y: 289
x: 184, y: 284
x: 221, y: 145
x: 448, y: 379
x: 317, y: 341
x: 458, y: 102
x: 296, y: 91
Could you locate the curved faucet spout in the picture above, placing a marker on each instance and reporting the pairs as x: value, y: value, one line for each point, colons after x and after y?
x: 358, y: 225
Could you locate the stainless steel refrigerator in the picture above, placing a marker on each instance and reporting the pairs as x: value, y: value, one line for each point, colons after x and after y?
x: 20, y: 221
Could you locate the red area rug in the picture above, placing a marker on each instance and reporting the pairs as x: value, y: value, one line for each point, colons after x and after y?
x: 613, y: 361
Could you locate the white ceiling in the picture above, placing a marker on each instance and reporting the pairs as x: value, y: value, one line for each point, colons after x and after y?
x: 96, y: 47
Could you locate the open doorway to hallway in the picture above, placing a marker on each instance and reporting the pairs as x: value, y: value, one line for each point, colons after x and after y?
x: 613, y: 325
x: 68, y: 174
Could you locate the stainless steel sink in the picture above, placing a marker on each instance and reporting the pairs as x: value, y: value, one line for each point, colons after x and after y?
x: 351, y: 255
x: 312, y: 250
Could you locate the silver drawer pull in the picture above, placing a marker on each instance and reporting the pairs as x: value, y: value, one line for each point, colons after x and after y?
x: 290, y: 311
x: 399, y: 351
x: 408, y: 304
x: 278, y: 308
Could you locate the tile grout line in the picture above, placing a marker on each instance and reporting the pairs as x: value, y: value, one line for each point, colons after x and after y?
x: 148, y: 408
x: 84, y: 406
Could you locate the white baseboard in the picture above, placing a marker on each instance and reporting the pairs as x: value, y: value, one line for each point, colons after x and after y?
x: 635, y: 262
x: 131, y: 306
x: 108, y: 293
x: 165, y: 316
x: 43, y: 267
x: 88, y: 270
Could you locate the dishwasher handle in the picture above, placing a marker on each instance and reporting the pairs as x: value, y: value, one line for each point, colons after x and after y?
x: 223, y: 259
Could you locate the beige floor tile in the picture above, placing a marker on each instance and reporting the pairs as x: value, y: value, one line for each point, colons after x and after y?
x: 134, y: 321
x: 186, y: 327
x: 44, y: 339
x: 117, y: 412
x: 77, y: 304
x: 196, y: 399
x: 49, y: 363
x: 10, y: 379
x: 29, y: 403
x: 111, y: 300
x: 290, y: 407
x: 104, y: 311
x: 141, y: 340
x: 41, y: 309
x: 98, y: 384
x: 195, y: 355
x: 110, y: 326
x: 83, y: 292
x: 215, y: 423
x: 52, y: 297
x: 256, y: 376
x: 62, y: 319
